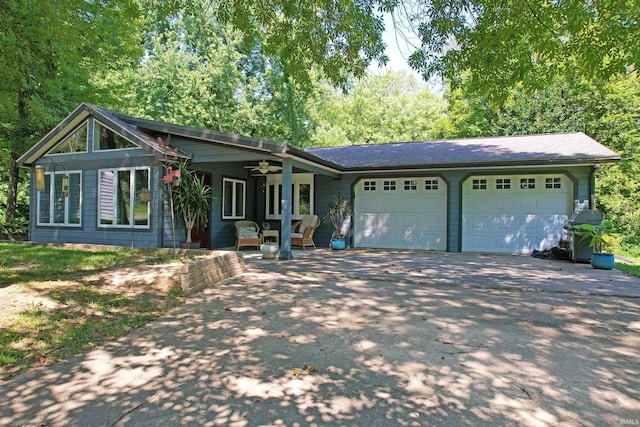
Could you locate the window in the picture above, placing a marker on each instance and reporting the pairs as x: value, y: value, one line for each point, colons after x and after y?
x: 389, y: 186
x: 369, y: 186
x: 61, y: 203
x: 106, y: 139
x: 302, y: 191
x: 410, y: 185
x: 479, y: 184
x: 503, y: 184
x: 234, y: 196
x: 430, y: 184
x: 527, y: 183
x: 74, y: 143
x: 118, y: 201
x: 553, y: 183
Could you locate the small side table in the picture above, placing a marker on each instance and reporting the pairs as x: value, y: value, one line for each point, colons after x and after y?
x: 271, y: 235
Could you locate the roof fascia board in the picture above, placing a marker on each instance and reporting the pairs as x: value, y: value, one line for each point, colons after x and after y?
x: 478, y: 167
x: 207, y: 135
x: 77, y: 116
x: 310, y: 165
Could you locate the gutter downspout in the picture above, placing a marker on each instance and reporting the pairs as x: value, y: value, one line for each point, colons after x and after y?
x: 592, y: 186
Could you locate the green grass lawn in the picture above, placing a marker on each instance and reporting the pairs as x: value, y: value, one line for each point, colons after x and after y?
x: 632, y: 269
x: 52, y: 311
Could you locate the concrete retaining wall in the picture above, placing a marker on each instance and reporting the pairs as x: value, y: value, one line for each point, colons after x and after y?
x: 206, y: 272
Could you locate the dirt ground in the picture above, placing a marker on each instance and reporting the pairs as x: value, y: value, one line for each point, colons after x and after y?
x: 130, y: 281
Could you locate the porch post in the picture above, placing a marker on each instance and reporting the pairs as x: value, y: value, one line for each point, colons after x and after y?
x: 286, y: 203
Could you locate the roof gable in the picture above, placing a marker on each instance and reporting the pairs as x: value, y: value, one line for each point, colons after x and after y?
x: 106, y: 118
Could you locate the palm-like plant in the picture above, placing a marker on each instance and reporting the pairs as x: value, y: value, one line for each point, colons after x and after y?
x: 338, y: 211
x: 192, y: 198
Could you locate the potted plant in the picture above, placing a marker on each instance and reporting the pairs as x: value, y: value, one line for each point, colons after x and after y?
x: 596, y: 234
x: 338, y: 214
x: 191, y: 199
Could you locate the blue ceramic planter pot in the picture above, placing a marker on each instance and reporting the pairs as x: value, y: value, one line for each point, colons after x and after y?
x: 338, y: 244
x: 603, y: 261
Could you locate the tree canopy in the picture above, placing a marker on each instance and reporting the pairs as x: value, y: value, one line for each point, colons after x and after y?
x: 504, y: 43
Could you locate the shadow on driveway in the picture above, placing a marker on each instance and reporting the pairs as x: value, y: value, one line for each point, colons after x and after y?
x: 370, y: 338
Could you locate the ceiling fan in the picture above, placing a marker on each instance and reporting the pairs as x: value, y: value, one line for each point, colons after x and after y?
x: 264, y: 167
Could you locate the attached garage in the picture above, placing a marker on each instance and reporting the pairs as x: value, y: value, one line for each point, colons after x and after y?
x: 401, y: 213
x: 515, y: 213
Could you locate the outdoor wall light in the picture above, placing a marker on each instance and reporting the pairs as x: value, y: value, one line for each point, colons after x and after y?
x: 40, y: 174
x: 39, y: 178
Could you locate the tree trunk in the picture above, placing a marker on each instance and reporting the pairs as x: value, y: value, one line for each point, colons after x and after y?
x: 12, y: 191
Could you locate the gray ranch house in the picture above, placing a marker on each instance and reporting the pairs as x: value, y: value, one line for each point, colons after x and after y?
x: 510, y: 194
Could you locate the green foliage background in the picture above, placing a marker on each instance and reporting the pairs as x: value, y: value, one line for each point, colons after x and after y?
x: 294, y: 71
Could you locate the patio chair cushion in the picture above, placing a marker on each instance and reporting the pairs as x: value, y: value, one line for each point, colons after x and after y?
x: 307, y: 221
x: 247, y: 232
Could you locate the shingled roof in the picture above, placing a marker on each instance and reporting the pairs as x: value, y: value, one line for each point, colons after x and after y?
x: 563, y: 148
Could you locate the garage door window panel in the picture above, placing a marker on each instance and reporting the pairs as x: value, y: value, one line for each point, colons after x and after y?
x: 527, y: 183
x: 431, y: 184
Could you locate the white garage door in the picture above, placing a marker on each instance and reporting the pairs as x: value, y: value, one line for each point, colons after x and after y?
x: 401, y: 213
x: 514, y: 214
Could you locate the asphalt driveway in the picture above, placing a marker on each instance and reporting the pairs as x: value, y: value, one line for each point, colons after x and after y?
x: 369, y: 338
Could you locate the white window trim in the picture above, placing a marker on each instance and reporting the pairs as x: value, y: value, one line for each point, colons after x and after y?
x: 66, y: 222
x: 297, y: 180
x: 94, y: 141
x: 234, y: 197
x: 132, y: 197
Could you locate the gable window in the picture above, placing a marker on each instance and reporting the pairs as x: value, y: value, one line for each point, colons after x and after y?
x: 61, y: 203
x: 553, y: 183
x: 479, y: 184
x: 234, y: 198
x: 76, y: 142
x: 302, y: 191
x: 526, y: 183
x: 118, y: 203
x: 410, y: 185
x: 430, y: 184
x: 389, y: 186
x: 503, y: 184
x: 106, y: 139
x: 369, y: 186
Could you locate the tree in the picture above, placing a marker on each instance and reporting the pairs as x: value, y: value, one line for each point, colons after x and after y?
x: 51, y: 54
x: 377, y: 108
x: 504, y: 43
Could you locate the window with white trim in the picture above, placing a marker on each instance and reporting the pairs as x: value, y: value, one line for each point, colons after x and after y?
x: 430, y: 184
x: 106, y: 139
x: 553, y: 183
x: 389, y: 186
x: 234, y: 198
x: 61, y: 203
x: 503, y: 183
x: 527, y: 183
x: 302, y: 191
x: 119, y: 205
x: 369, y: 186
x: 479, y: 184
